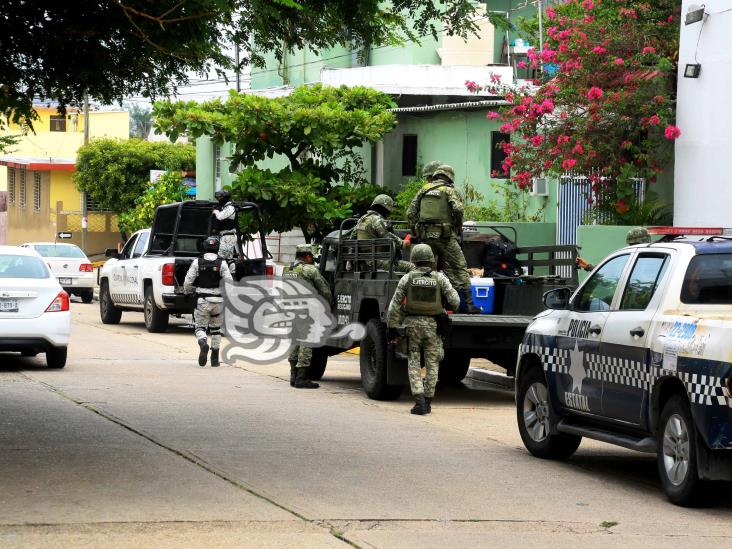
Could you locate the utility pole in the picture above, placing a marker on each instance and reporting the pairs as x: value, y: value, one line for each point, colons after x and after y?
x: 238, y: 70
x: 84, y: 212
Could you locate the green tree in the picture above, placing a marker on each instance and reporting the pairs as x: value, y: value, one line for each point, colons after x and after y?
x: 169, y: 188
x: 140, y: 121
x: 116, y: 173
x: 317, y: 129
x: 139, y: 47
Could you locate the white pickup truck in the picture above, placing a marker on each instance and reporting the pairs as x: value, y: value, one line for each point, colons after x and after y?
x: 147, y: 274
x: 640, y: 355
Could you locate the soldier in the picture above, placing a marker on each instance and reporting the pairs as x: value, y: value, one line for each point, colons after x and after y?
x: 429, y: 170
x: 226, y: 224
x: 373, y: 225
x: 204, y: 277
x: 638, y: 235
x: 422, y: 291
x: 303, y: 269
x: 436, y: 214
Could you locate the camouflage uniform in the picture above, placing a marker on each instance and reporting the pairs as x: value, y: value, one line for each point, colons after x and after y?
x: 429, y: 169
x: 421, y: 329
x: 228, y: 236
x: 300, y: 356
x: 638, y: 235
x: 373, y: 225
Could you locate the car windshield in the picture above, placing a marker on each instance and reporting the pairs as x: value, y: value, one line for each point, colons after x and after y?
x: 22, y: 266
x: 59, y: 250
x: 708, y: 280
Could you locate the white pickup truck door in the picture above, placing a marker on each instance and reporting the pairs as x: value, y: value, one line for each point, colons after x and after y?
x: 118, y: 276
x: 580, y: 331
x: 134, y: 270
x: 625, y: 364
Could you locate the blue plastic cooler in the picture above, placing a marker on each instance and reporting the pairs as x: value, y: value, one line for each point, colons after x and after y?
x: 484, y: 294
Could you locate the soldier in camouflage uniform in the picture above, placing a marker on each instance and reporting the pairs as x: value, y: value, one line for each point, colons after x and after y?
x: 204, y: 277
x: 372, y: 225
x: 429, y: 170
x: 302, y: 269
x: 422, y: 292
x: 226, y: 222
x: 436, y: 215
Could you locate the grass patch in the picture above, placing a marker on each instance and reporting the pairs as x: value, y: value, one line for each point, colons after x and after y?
x: 608, y: 523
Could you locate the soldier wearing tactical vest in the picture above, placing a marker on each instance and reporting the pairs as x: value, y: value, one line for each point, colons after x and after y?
x: 204, y: 277
x: 372, y: 225
x: 429, y: 169
x: 302, y: 269
x: 226, y: 224
x: 417, y: 301
x: 436, y: 215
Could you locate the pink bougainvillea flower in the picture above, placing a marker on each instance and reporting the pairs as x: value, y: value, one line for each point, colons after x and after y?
x: 622, y: 207
x: 547, y: 105
x: 619, y: 61
x: 537, y: 140
x: 551, y: 14
x: 578, y: 149
x: 522, y: 64
x: 599, y: 50
x: 594, y: 94
x: 654, y: 120
x: 672, y: 132
x: 649, y: 49
x: 588, y: 4
x: 569, y: 163
x: 492, y: 115
x: 626, y: 145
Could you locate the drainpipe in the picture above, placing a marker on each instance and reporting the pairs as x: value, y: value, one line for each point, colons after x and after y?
x: 84, y: 212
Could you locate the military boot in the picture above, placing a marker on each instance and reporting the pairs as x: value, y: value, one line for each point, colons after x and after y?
x: 214, y: 358
x: 427, y: 405
x: 420, y: 406
x: 293, y: 372
x: 203, y: 355
x: 466, y: 303
x: 302, y: 381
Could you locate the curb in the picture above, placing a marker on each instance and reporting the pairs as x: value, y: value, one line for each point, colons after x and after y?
x: 494, y: 378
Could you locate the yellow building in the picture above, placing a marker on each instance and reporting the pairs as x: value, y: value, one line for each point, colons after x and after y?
x: 36, y: 175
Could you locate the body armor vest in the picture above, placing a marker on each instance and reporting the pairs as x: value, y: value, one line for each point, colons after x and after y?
x: 228, y: 224
x: 423, y: 294
x: 209, y: 273
x: 361, y: 232
x: 434, y: 207
x: 294, y: 271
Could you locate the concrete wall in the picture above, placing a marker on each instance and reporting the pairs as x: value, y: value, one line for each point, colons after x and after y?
x: 703, y: 178
x: 598, y: 241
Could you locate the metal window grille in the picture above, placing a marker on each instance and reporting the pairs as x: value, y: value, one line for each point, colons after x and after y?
x: 58, y: 123
x: 91, y: 205
x: 36, y: 192
x: 21, y: 189
x: 217, y: 166
x: 11, y: 185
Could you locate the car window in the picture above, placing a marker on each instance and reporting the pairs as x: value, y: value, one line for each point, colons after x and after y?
x: 59, y: 250
x: 643, y: 282
x: 708, y: 280
x: 140, y: 246
x: 126, y: 252
x: 22, y: 266
x: 597, y: 294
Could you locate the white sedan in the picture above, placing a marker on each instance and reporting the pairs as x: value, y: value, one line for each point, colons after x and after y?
x: 70, y: 266
x: 34, y: 308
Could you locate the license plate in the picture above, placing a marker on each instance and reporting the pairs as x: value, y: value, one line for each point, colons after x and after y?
x: 64, y: 281
x: 8, y: 305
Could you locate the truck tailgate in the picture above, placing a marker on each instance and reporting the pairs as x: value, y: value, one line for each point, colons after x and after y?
x: 502, y: 321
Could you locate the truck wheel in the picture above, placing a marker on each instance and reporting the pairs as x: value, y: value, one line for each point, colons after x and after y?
x: 56, y: 357
x: 676, y: 454
x: 454, y: 367
x: 318, y: 363
x: 373, y: 363
x: 109, y: 313
x: 532, y: 414
x: 156, y: 320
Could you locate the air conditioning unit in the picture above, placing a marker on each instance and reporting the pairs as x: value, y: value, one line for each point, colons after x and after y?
x: 540, y: 186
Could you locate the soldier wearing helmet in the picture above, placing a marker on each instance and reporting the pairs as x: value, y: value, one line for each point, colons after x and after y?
x: 436, y: 215
x: 304, y: 270
x: 416, y: 303
x: 226, y: 223
x: 204, y: 278
x: 372, y: 225
x: 635, y: 236
x: 429, y: 169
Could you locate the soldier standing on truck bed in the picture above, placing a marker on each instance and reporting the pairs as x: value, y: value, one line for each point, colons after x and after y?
x: 303, y: 270
x: 204, y: 278
x: 436, y: 214
x: 372, y: 225
x: 416, y: 303
x: 226, y: 224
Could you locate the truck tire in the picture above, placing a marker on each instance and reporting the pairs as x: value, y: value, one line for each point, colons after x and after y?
x: 454, y: 367
x: 676, y: 455
x: 156, y: 320
x: 56, y: 357
x: 107, y: 311
x: 373, y: 363
x: 318, y: 363
x: 532, y: 415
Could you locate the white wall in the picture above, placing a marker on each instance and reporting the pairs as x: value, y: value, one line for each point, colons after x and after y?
x: 703, y: 172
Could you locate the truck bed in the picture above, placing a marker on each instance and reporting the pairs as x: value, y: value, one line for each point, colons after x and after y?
x: 502, y: 321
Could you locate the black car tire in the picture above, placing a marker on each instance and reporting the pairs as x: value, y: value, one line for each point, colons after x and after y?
x: 56, y: 357
x: 545, y: 444
x: 373, y: 361
x: 107, y: 311
x: 318, y: 363
x: 87, y: 296
x: 454, y: 367
x: 156, y: 320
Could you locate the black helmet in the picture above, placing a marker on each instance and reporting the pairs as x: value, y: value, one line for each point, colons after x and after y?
x: 210, y: 245
x: 223, y: 196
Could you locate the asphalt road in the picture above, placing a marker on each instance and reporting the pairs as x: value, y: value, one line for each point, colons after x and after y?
x: 134, y: 445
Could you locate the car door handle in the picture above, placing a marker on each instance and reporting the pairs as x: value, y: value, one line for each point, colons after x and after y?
x: 595, y: 329
x: 638, y: 332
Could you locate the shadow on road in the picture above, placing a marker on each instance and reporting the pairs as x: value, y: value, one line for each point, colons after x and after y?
x: 14, y: 362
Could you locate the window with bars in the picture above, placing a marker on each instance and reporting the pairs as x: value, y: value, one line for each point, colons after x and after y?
x: 21, y: 189
x: 36, y: 192
x: 11, y: 185
x: 93, y: 205
x: 58, y: 123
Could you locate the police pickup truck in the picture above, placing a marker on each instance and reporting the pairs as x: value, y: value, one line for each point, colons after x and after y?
x: 147, y: 274
x: 362, y: 293
x: 638, y: 356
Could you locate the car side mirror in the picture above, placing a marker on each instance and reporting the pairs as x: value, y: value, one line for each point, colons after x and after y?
x: 557, y: 299
x: 111, y: 252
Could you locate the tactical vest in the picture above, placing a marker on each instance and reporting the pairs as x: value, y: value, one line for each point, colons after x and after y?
x: 423, y: 294
x: 294, y: 271
x: 434, y: 206
x: 209, y: 273
x: 228, y: 224
x: 361, y: 232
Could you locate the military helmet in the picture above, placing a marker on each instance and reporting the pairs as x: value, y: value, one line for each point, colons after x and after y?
x: 222, y: 195
x: 445, y: 172
x: 210, y: 245
x: 385, y: 201
x: 303, y: 249
x: 638, y: 235
x: 422, y: 253
x: 430, y: 168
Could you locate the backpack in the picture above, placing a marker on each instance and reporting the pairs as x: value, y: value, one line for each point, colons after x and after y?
x: 499, y: 257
